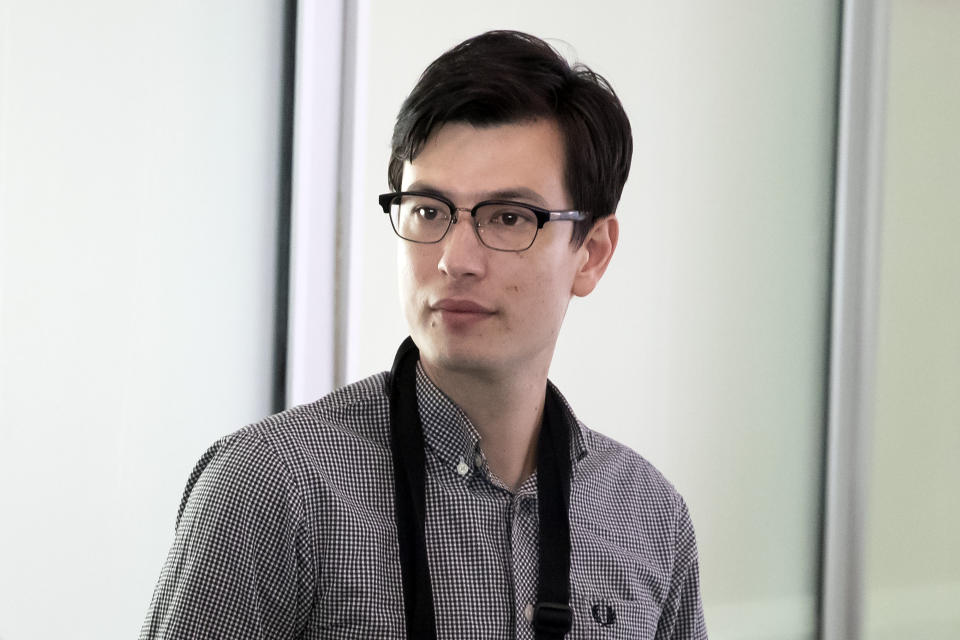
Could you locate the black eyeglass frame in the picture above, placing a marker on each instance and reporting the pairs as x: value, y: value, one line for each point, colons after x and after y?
x: 544, y: 216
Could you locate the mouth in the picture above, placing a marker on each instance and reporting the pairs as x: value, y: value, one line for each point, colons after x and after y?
x: 460, y: 312
x: 458, y: 305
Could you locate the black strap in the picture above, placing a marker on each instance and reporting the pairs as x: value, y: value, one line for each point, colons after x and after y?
x: 552, y: 614
x: 552, y: 617
x: 409, y: 479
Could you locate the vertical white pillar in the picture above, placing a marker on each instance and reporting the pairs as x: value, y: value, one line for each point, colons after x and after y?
x: 314, y: 201
x: 356, y: 204
x: 854, y: 307
x: 327, y: 206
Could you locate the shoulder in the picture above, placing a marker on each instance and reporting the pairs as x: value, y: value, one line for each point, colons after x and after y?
x: 292, y: 447
x: 360, y: 410
x: 611, y: 479
x: 357, y: 415
x: 610, y: 462
x: 628, y: 501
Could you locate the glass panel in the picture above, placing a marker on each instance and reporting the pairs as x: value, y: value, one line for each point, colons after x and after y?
x: 139, y: 145
x: 913, y: 527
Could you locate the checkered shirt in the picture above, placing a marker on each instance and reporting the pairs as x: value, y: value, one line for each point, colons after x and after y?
x: 287, y: 530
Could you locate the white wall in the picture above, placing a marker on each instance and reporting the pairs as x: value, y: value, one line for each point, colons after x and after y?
x: 138, y: 203
x: 704, y: 347
x: 913, y: 566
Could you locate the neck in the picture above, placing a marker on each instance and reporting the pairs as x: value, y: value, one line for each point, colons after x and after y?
x: 506, y: 412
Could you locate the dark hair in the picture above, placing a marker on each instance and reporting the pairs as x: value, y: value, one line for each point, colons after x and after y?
x: 502, y: 77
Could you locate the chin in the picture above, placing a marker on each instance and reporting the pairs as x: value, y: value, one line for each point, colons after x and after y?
x: 455, y: 355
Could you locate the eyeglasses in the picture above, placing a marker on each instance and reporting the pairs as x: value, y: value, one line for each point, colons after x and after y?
x: 501, y: 225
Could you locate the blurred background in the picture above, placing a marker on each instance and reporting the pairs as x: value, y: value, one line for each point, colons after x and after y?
x: 189, y: 240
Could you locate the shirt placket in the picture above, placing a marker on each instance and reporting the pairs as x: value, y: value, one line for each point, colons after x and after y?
x: 524, y: 532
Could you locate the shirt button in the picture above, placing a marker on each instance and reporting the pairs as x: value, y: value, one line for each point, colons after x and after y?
x: 528, y: 612
x: 478, y: 460
x: 462, y: 468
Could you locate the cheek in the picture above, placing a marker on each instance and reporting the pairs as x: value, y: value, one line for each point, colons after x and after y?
x: 408, y: 265
x: 414, y: 270
x: 552, y: 291
x: 406, y: 279
x: 541, y: 294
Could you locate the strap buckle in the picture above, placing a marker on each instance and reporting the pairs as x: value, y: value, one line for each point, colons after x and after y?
x: 552, y: 617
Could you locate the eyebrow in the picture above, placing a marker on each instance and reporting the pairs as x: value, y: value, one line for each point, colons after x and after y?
x: 512, y: 193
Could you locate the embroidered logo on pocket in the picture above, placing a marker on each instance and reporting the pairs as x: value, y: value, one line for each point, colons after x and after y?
x: 603, y: 614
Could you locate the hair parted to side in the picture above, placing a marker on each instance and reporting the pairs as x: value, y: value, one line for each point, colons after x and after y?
x: 503, y: 77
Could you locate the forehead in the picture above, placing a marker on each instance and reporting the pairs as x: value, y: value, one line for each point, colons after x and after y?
x: 466, y: 162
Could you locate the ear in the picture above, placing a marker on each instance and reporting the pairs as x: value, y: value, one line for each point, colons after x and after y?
x: 595, y: 254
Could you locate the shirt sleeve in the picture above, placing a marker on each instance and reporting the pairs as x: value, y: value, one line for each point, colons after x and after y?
x: 240, y: 566
x: 682, y: 614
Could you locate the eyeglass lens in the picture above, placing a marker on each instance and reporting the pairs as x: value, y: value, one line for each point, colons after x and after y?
x: 505, y: 226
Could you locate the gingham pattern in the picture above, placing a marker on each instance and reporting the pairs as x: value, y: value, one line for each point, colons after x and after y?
x: 287, y: 530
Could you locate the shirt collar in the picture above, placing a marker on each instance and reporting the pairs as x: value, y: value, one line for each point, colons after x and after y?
x: 448, y: 431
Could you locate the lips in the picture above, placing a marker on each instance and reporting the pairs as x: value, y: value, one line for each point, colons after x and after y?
x: 457, y: 305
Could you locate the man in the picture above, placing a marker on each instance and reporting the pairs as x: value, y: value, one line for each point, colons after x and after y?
x: 456, y: 496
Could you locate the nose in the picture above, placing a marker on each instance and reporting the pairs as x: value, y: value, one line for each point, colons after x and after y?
x: 462, y: 253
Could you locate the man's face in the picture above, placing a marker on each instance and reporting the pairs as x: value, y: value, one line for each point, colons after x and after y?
x: 472, y: 309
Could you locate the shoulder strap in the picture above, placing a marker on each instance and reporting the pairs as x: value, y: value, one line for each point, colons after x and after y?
x: 409, y: 480
x: 552, y: 617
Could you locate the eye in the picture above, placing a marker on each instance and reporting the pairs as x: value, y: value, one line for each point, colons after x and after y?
x: 427, y: 213
x: 506, y: 217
